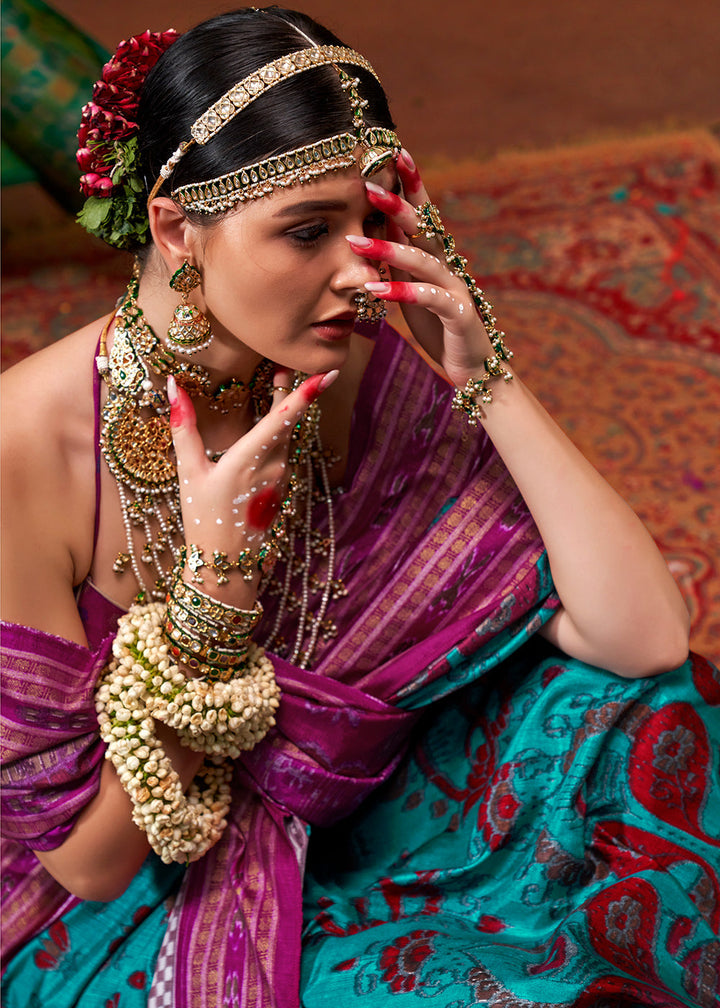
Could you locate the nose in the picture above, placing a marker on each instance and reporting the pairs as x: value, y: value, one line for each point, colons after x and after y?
x: 352, y: 271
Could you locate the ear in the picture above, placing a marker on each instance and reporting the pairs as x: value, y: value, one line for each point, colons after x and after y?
x: 173, y: 235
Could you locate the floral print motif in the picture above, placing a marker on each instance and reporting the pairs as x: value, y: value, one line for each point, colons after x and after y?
x: 402, y: 961
x: 674, y: 749
x: 623, y: 921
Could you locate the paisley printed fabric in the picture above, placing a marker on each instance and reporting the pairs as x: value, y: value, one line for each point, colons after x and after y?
x: 552, y: 838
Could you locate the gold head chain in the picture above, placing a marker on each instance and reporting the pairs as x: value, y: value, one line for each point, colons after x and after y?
x: 377, y: 144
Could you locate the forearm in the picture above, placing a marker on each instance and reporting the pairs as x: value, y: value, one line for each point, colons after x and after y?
x: 105, y: 849
x: 621, y: 608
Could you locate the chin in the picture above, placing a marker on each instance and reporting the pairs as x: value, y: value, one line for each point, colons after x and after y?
x: 323, y: 357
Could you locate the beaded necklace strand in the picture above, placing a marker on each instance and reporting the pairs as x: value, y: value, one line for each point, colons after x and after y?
x: 138, y: 450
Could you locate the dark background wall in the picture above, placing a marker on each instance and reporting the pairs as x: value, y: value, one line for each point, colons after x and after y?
x: 471, y: 77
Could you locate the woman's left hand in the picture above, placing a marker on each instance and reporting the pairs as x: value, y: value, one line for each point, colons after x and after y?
x: 435, y: 302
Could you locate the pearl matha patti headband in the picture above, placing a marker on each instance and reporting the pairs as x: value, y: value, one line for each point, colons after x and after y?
x: 378, y: 145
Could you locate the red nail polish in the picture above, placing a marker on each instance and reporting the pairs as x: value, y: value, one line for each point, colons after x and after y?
x: 410, y: 175
x: 383, y: 199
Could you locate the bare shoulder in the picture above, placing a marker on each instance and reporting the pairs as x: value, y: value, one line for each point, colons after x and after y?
x: 52, y: 373
x: 48, y: 466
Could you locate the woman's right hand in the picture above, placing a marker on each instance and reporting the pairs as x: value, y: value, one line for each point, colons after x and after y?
x: 230, y: 505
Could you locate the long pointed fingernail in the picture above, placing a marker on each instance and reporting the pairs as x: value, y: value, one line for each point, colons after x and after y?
x: 383, y: 199
x: 410, y: 176
x: 359, y: 240
x: 181, y: 408
x: 328, y: 379
x: 378, y: 287
x: 315, y: 384
x: 408, y: 160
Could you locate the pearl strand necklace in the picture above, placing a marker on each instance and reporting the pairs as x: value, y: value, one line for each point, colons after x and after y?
x: 165, y: 509
x: 299, y: 655
x: 327, y: 591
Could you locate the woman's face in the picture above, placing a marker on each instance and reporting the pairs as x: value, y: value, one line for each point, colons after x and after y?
x: 279, y: 276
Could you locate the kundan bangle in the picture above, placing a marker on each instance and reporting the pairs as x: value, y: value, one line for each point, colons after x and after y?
x: 210, y: 638
x: 209, y: 610
x: 219, y: 719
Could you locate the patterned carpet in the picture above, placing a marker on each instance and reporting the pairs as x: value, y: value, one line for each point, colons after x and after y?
x: 604, y: 267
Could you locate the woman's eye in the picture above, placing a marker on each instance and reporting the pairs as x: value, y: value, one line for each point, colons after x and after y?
x: 375, y: 221
x: 308, y: 235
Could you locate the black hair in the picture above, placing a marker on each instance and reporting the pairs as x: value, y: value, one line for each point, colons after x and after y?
x: 210, y: 59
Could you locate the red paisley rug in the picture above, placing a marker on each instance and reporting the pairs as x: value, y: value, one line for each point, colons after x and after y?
x: 603, y: 264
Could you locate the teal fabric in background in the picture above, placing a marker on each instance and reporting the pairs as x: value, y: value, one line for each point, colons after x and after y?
x: 49, y: 67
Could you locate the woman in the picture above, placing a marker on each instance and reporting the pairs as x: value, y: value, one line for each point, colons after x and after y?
x: 376, y: 634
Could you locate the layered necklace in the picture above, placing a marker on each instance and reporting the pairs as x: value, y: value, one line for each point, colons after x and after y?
x: 136, y: 443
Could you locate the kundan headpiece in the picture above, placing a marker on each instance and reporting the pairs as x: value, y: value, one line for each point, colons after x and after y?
x: 377, y: 144
x: 115, y: 209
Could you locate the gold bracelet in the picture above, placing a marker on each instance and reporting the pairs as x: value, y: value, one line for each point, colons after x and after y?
x: 210, y: 610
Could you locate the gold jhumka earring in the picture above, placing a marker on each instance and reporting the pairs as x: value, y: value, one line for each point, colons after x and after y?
x: 189, y: 331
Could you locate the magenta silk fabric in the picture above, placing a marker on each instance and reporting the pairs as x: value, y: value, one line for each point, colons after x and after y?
x: 433, y: 542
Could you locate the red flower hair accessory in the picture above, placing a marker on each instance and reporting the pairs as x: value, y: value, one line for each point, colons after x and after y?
x: 107, y: 143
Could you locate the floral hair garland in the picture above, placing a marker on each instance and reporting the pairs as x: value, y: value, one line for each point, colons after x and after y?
x: 115, y: 207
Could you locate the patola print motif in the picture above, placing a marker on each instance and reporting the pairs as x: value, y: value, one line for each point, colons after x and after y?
x: 530, y: 807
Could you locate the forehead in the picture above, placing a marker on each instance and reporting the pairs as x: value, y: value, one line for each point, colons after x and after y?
x: 336, y: 187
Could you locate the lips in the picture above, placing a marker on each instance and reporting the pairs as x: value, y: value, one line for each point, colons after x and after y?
x: 338, y: 327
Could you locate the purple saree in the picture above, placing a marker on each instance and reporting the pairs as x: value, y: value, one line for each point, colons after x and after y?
x: 446, y: 581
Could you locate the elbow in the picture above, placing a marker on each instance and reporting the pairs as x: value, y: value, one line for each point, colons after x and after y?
x: 667, y: 649
x: 97, y: 890
x: 639, y: 651
x: 675, y: 641
x: 674, y: 654
x: 97, y: 884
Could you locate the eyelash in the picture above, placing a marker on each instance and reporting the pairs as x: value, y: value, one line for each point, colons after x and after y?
x: 308, y: 237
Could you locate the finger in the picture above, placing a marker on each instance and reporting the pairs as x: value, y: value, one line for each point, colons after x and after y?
x: 189, y: 448
x: 406, y: 258
x: 394, y: 207
x: 282, y: 384
x: 410, y: 177
x: 441, y: 302
x: 274, y: 429
x: 403, y: 214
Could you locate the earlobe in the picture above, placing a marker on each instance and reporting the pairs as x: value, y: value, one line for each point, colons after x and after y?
x: 171, y: 231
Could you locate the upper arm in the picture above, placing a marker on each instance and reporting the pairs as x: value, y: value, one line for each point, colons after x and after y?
x: 44, y: 515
